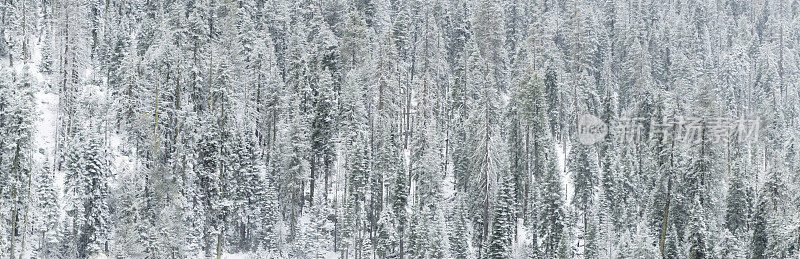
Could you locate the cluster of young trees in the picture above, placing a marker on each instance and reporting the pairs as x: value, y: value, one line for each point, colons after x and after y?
x: 398, y: 129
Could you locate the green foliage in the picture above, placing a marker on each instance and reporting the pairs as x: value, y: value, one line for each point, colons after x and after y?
x: 503, y: 223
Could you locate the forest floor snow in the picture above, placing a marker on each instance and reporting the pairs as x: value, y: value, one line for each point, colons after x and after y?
x: 46, y: 121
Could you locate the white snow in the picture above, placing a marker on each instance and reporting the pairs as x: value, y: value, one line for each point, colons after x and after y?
x: 561, y: 160
x: 46, y: 122
x: 238, y: 256
x: 45, y: 130
x: 523, y: 238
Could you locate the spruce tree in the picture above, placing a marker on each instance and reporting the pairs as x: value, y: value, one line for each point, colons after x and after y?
x: 47, y: 218
x: 738, y: 204
x: 503, y: 223
x: 459, y: 224
x: 761, y: 239
x: 552, y: 215
x: 697, y: 232
x: 95, y: 232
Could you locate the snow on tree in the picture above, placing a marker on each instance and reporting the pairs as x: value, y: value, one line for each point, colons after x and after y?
x: 398, y: 129
x: 503, y: 223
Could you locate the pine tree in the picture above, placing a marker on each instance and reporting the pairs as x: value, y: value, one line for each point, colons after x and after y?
x: 128, y: 205
x: 47, y: 206
x: 730, y: 246
x: 637, y: 243
x: 738, y: 204
x: 296, y: 162
x: 672, y: 247
x: 592, y: 239
x: 357, y: 177
x: 247, y: 196
x: 97, y: 214
x: 760, y: 237
x: 322, y: 129
x: 16, y: 114
x: 552, y: 215
x: 551, y: 98
x: 386, y: 234
x: 399, y: 205
x: 75, y: 196
x: 270, y: 213
x: 503, y: 223
x: 204, y: 128
x: 585, y: 171
x: 697, y: 232
x: 87, y: 194
x: 208, y: 184
x: 459, y: 224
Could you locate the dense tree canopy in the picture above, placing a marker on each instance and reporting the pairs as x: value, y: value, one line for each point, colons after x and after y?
x: 399, y: 129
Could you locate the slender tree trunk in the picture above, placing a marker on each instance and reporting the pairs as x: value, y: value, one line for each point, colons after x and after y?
x: 15, y: 174
x: 25, y: 222
x: 669, y: 191
x: 527, y: 171
x: 177, y: 104
x: 155, y: 130
x: 664, y: 221
x: 25, y: 34
x: 313, y: 178
x: 219, y: 244
x: 210, y: 83
x: 484, y: 235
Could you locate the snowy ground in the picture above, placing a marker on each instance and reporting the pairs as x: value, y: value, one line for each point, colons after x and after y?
x: 46, y: 122
x: 561, y: 159
x: 45, y: 133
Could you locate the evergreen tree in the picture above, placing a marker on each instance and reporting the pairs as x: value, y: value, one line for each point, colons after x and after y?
x: 552, y: 215
x: 760, y: 236
x: 87, y: 193
x: 395, y: 129
x: 503, y: 223
x: 248, y: 196
x: 459, y: 236
x: 48, y: 217
x: 697, y: 232
x: 95, y: 232
x: 738, y: 204
x: 399, y: 206
x: 585, y: 171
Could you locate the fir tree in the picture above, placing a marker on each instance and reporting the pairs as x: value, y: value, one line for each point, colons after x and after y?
x: 551, y: 224
x: 47, y: 206
x: 697, y: 232
x: 738, y: 204
x: 503, y: 223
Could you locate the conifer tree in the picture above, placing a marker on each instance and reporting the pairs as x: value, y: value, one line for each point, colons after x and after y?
x: 697, y: 232
x: 47, y: 206
x: 503, y: 223
x: 552, y: 215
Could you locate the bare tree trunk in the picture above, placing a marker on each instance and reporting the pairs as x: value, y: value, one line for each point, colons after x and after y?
x: 313, y: 179
x: 219, y: 244
x: 484, y: 235
x: 664, y: 221
x: 25, y: 32
x: 25, y: 222
x: 15, y: 174
x: 669, y: 191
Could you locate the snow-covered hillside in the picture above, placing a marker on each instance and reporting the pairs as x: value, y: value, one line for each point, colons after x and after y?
x: 399, y: 129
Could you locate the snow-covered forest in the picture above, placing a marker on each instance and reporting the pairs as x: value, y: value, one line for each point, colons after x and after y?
x: 399, y: 129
